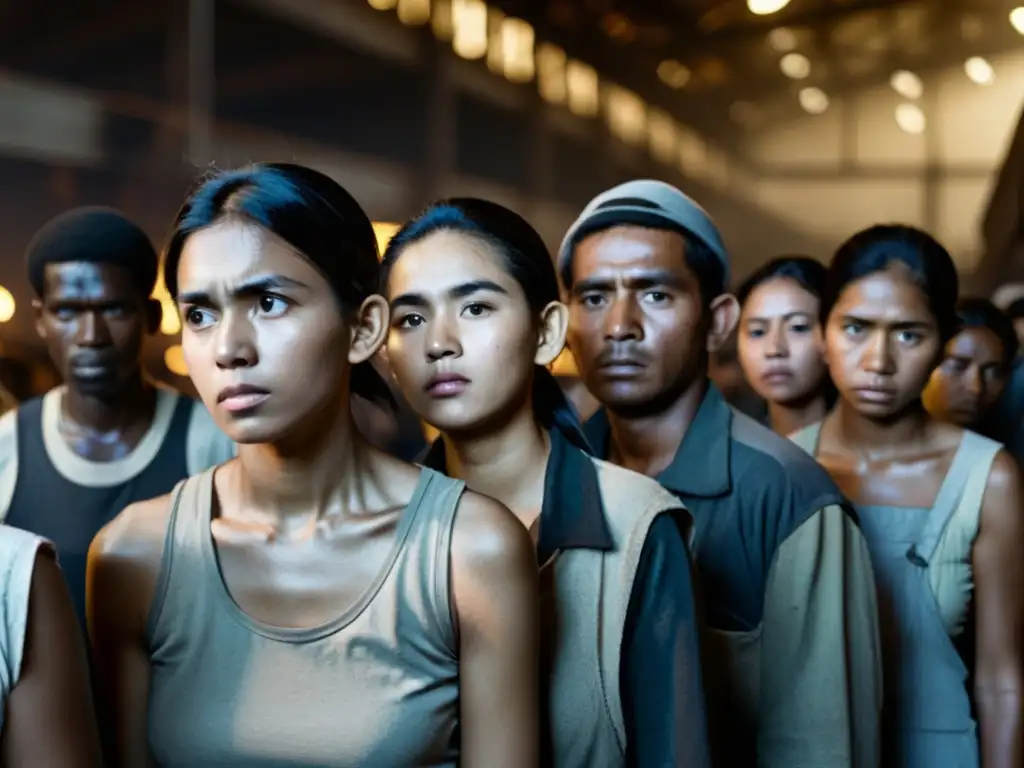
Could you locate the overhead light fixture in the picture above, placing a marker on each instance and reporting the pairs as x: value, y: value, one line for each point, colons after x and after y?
x: 1017, y: 18
x: 782, y: 39
x: 383, y: 5
x: 766, y: 7
x: 813, y: 100
x: 910, y: 118
x: 906, y: 84
x: 673, y: 74
x: 795, y: 66
x: 979, y: 70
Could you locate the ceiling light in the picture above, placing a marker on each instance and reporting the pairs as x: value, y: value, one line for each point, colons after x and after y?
x: 782, y: 39
x: 1017, y: 19
x: 813, y: 100
x: 906, y: 84
x: 795, y: 66
x: 910, y: 118
x: 766, y: 7
x: 673, y: 74
x: 979, y: 70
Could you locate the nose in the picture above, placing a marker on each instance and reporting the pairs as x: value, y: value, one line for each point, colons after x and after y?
x: 93, y: 330
x: 878, y: 355
x: 443, y: 338
x: 235, y: 345
x: 777, y: 347
x: 972, y: 381
x: 621, y: 322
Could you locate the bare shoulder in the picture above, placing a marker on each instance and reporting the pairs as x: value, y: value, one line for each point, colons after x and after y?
x: 124, y: 566
x: 1003, y: 492
x: 137, y: 533
x: 487, y: 538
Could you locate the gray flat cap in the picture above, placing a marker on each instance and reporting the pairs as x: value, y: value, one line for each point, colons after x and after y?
x: 647, y: 203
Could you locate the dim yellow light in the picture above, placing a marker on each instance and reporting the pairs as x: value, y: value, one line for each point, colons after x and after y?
x: 170, y: 322
x: 469, y: 29
x: 7, y: 305
x: 174, y: 359
x: 384, y: 231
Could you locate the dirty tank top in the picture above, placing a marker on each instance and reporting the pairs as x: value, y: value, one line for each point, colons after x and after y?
x: 376, y: 686
x: 922, y: 562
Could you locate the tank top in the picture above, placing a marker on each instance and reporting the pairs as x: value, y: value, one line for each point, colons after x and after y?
x: 377, y: 686
x: 17, y: 561
x: 921, y: 557
x: 69, y: 514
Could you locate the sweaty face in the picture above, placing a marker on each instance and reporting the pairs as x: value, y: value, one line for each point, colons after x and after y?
x: 970, y: 379
x: 635, y: 323
x: 780, y: 342
x: 882, y: 343
x: 463, y: 339
x: 265, y: 343
x: 94, y: 321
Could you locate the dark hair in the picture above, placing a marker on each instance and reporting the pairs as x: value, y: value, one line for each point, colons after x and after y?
x: 1016, y: 309
x: 527, y: 260
x: 876, y: 248
x: 806, y: 272
x: 810, y: 275
x: 310, y: 212
x: 97, y: 235
x: 702, y: 261
x: 975, y: 312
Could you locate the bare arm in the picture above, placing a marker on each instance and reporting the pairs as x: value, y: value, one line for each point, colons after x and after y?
x: 50, y: 719
x: 998, y: 575
x: 494, y: 586
x: 124, y: 561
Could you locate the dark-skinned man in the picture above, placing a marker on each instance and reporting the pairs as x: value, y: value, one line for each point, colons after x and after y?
x: 72, y: 459
x: 792, y: 654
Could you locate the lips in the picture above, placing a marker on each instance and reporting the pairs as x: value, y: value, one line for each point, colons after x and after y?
x: 777, y: 376
x: 241, y: 397
x: 877, y: 396
x: 445, y: 385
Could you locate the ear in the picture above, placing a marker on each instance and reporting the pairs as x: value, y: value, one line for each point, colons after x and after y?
x: 38, y: 313
x: 725, y: 314
x: 554, y: 323
x: 369, y: 329
x: 154, y: 315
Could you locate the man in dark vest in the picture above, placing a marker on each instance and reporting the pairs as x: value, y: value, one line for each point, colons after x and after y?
x: 75, y: 457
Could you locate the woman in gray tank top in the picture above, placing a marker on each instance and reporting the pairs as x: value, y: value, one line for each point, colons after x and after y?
x: 314, y: 603
x: 475, y: 318
x: 940, y: 508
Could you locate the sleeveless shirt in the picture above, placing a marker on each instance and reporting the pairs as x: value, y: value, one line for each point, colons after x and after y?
x: 49, y: 503
x: 17, y: 562
x: 923, y: 570
x: 376, y: 687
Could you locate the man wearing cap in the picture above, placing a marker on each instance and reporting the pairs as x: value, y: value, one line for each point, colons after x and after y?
x: 792, y: 654
x: 74, y: 458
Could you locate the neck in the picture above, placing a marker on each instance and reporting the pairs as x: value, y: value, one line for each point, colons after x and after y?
x: 327, y: 470
x: 787, y: 418
x: 132, y: 406
x: 877, y: 439
x: 508, y: 465
x: 647, y: 444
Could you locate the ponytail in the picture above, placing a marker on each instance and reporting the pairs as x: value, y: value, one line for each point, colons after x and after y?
x: 555, y: 411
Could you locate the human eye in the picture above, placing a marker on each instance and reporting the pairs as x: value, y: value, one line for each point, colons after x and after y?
x: 409, y: 321
x: 656, y: 297
x: 477, y: 309
x: 271, y: 305
x: 197, y: 318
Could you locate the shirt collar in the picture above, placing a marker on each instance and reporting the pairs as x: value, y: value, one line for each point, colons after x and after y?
x: 572, y: 514
x: 701, y: 464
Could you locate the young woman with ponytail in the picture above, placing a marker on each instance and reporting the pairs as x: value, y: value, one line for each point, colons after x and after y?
x: 475, y: 321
